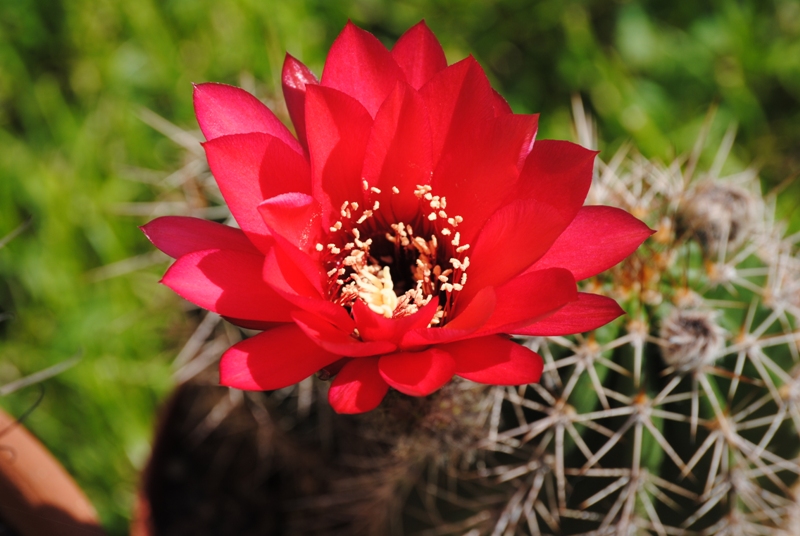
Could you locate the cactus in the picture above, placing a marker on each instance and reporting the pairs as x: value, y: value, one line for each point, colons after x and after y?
x: 680, y: 418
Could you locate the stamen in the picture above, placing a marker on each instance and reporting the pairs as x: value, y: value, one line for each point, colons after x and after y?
x: 364, y: 216
x: 422, y: 245
x: 366, y: 275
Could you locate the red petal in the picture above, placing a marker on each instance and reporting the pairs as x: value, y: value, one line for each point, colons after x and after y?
x: 548, y: 195
x: 358, y: 387
x: 250, y: 168
x: 511, y: 240
x: 335, y: 340
x: 598, y: 238
x: 398, y: 154
x: 495, y: 360
x: 294, y: 216
x: 419, y: 55
x: 459, y: 102
x: 337, y: 139
x: 375, y: 327
x: 477, y: 156
x: 589, y: 312
x: 296, y: 77
x: 477, y: 179
x: 417, y: 373
x: 272, y: 360
x: 500, y: 105
x: 227, y: 282
x: 222, y: 110
x: 557, y: 173
x: 360, y: 66
x: 464, y: 324
x: 530, y: 297
x: 286, y: 276
x: 178, y: 235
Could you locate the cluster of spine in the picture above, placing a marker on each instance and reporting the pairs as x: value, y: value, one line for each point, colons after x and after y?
x: 680, y: 418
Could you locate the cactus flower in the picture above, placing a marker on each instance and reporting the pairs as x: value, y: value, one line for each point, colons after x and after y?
x: 410, y: 226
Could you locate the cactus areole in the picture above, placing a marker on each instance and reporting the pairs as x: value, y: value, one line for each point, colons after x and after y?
x: 407, y: 229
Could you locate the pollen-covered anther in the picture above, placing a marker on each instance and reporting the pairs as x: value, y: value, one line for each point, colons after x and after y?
x: 437, y: 317
x: 367, y: 214
x: 395, y: 190
x: 336, y: 226
x: 421, y: 245
x: 319, y: 247
x: 421, y: 190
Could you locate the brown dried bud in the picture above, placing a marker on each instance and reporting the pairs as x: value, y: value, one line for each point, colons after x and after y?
x: 718, y: 215
x: 692, y: 339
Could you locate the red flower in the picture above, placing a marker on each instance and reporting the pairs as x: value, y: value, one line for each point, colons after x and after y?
x: 409, y: 227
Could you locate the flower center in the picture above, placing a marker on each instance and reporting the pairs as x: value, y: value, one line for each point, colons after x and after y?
x: 395, y: 267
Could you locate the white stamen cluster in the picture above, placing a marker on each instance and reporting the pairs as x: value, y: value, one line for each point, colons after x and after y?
x: 354, y: 273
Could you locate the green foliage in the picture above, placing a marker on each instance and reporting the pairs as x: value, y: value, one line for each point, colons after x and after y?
x: 75, y: 75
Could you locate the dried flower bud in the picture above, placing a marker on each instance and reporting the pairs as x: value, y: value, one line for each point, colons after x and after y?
x: 718, y: 215
x: 693, y: 339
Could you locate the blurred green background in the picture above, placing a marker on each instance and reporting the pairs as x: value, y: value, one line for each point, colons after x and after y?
x: 74, y: 155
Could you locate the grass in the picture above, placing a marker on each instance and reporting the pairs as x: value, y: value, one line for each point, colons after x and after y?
x: 72, y: 149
